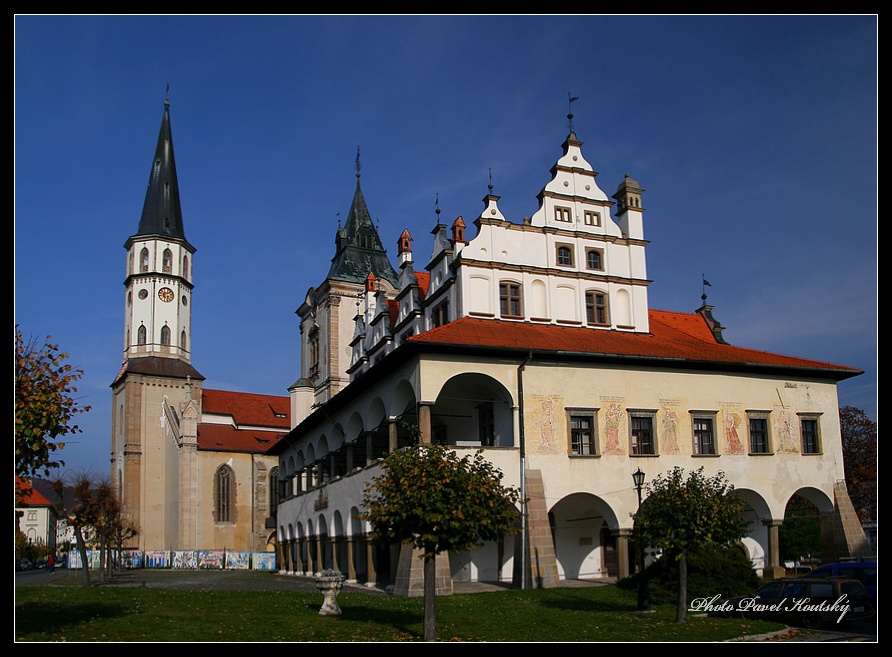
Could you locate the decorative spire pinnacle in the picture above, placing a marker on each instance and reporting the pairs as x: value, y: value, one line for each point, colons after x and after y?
x: 570, y: 110
x: 489, y: 187
x: 358, y: 165
x: 705, y: 285
x: 437, y: 205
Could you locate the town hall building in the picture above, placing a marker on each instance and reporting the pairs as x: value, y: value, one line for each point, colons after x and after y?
x: 531, y: 338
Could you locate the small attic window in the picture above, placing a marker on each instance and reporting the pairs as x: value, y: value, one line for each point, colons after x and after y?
x: 281, y: 415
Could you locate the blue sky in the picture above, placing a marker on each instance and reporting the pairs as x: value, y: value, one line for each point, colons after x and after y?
x: 755, y: 138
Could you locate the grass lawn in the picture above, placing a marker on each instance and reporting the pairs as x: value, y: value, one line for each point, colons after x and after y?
x: 606, y: 613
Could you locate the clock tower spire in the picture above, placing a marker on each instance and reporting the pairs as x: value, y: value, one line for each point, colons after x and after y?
x: 151, y: 441
x: 158, y: 314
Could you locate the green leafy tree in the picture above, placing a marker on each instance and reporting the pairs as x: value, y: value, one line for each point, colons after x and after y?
x: 799, y: 537
x: 430, y: 498
x: 44, y: 405
x: 684, y: 514
x: 859, y: 449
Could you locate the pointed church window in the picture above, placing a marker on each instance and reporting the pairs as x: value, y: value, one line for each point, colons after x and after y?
x: 223, y: 487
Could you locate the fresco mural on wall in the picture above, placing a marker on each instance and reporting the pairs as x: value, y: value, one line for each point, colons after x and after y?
x: 733, y: 421
x: 669, y: 421
x: 613, y: 416
x: 545, y: 421
x: 783, y: 428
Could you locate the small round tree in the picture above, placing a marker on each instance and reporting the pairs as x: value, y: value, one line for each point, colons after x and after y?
x: 682, y: 514
x: 430, y: 498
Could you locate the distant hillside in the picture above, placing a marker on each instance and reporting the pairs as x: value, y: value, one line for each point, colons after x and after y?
x: 45, y: 488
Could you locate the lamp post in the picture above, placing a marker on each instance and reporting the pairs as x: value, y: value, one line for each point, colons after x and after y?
x: 643, y: 589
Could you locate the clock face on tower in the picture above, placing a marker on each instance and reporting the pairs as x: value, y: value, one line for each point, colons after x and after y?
x: 165, y: 294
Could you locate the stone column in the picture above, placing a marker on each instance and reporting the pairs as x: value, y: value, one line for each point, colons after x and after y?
x: 335, y: 553
x: 424, y: 421
x: 299, y: 565
x: 372, y: 576
x: 622, y: 552
x: 392, y: 435
x: 773, y: 567
x: 351, y: 567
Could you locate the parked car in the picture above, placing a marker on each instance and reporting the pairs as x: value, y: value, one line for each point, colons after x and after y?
x: 810, y: 602
x: 864, y: 571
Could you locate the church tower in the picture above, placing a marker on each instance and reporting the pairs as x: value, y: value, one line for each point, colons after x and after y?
x: 328, y: 312
x: 157, y: 373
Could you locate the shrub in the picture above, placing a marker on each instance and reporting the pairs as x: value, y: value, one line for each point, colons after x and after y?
x: 712, y: 571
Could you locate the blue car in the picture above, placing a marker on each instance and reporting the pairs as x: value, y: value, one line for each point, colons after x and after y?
x: 864, y: 571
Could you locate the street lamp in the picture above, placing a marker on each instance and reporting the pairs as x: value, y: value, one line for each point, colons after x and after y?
x: 643, y: 588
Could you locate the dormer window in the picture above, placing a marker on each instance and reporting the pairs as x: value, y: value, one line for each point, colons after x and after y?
x: 596, y: 311
x: 510, y: 302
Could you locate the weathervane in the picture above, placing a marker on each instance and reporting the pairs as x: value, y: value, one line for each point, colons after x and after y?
x: 437, y: 206
x: 705, y: 284
x: 570, y: 110
x: 358, y: 165
x: 490, y: 180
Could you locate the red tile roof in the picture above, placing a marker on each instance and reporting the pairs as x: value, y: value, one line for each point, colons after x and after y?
x: 30, y: 495
x: 226, y: 438
x: 673, y: 336
x: 248, y: 409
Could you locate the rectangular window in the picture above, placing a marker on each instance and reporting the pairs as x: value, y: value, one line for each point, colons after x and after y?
x: 562, y: 214
x: 643, y: 434
x: 811, y: 439
x: 594, y: 259
x: 596, y: 308
x: 565, y: 255
x: 510, y: 300
x: 583, y: 431
x: 592, y: 218
x: 758, y: 427
x: 704, y: 434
